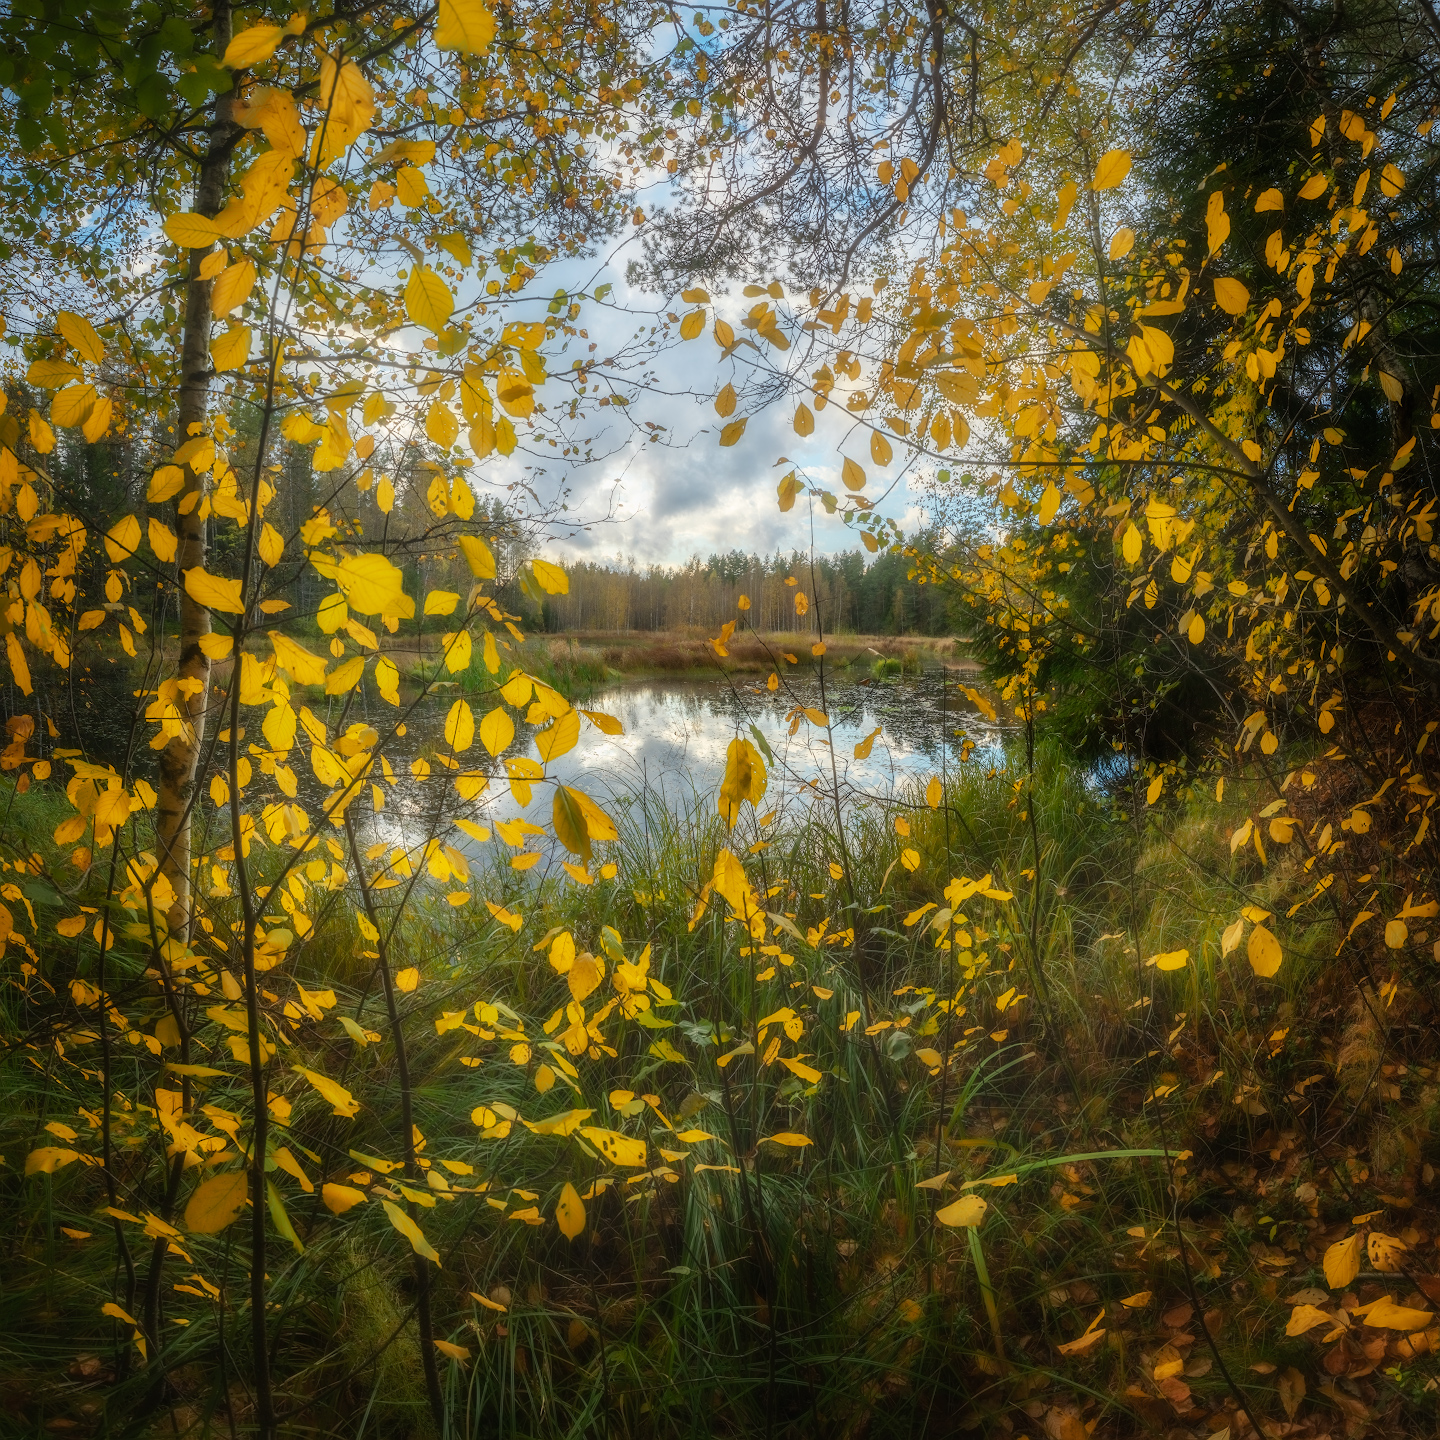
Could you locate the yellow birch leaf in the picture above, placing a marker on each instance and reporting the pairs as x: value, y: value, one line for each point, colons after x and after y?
x: 460, y: 727
x: 48, y: 1159
x: 559, y: 738
x: 191, y: 231
x: 411, y: 1231
x: 342, y: 1102
x: 880, y: 450
x: 550, y: 578
x: 968, y: 1210
x: 616, y: 1148
x: 464, y: 25
x: 428, y: 301
x: 340, y: 1198
x: 852, y: 475
x: 230, y: 349
x: 497, y: 730
x: 232, y: 286
x: 1388, y: 1316
x: 216, y: 1203
x: 1114, y: 166
x: 1231, y: 296
x: 163, y: 541
x: 252, y: 46
x: 692, y: 324
x: 733, y: 431
x: 1342, y: 1262
x: 214, y: 591
x: 863, y: 748
x: 804, y: 420
x: 1049, y: 504
x: 1264, y: 952
x: 570, y: 1212
x: 478, y: 556
x: 79, y: 334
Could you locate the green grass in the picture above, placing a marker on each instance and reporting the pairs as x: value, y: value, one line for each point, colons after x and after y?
x: 813, y: 1291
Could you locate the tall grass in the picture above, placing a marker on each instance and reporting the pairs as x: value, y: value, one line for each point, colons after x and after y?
x: 797, y: 1291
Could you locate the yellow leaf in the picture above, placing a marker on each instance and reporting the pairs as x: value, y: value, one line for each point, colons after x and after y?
x: 48, y: 1159
x: 230, y: 349
x: 344, y: 678
x: 616, y: 1148
x: 122, y: 539
x: 934, y: 793
x: 968, y: 1210
x: 1049, y: 504
x: 232, y: 286
x: 460, y: 727
x: 428, y: 301
x: 852, y: 475
x: 441, y: 602
x: 478, y: 556
x: 1196, y: 629
x: 342, y: 1102
x: 724, y: 334
x: 163, y: 541
x: 1392, y: 182
x: 73, y: 405
x: 216, y: 1203
x: 167, y: 482
x: 214, y: 591
x: 550, y: 578
x: 804, y: 420
x: 1314, y: 187
x: 606, y: 724
x: 863, y: 748
x: 1231, y: 296
x: 787, y: 490
x: 1270, y: 199
x: 252, y: 46
x: 1152, y: 793
x: 411, y: 187
x: 789, y: 1139
x: 340, y: 1198
x: 1114, y: 166
x: 733, y: 431
x: 1342, y: 1262
x: 407, y: 980
x: 191, y: 231
x: 497, y: 730
x: 1264, y: 952
x: 453, y: 1351
x: 692, y: 325
x: 570, y: 1212
x: 1388, y: 1316
x: 464, y: 25
x: 880, y: 450
x: 1130, y: 543
x: 411, y: 1231
x: 1122, y: 242
x: 373, y: 586
x: 1170, y: 960
x: 79, y: 334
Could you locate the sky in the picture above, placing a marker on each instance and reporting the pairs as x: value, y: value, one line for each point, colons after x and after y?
x: 686, y: 495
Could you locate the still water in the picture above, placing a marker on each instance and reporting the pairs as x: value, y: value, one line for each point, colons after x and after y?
x: 677, y: 733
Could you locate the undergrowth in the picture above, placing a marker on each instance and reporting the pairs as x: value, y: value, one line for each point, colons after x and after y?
x: 1166, y: 1149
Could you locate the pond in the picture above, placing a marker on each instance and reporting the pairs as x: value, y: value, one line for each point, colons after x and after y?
x: 677, y: 731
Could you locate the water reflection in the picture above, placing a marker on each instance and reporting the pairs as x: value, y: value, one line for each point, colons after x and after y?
x: 677, y: 732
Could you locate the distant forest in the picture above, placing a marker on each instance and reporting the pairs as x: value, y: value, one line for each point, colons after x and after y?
x: 851, y: 596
